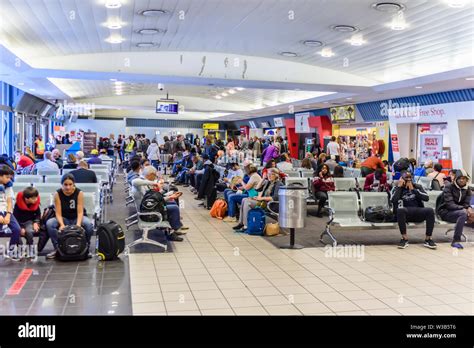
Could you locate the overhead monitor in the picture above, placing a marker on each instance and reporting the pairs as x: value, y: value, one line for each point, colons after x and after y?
x: 167, y: 107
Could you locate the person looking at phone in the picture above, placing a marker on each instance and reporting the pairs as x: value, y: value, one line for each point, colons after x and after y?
x: 407, y: 199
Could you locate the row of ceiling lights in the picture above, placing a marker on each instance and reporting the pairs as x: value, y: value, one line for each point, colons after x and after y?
x: 228, y: 92
x: 116, y: 23
x: 398, y: 23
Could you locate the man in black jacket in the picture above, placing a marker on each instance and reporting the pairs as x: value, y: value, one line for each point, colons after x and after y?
x: 407, y: 199
x: 455, y: 204
x: 208, y: 182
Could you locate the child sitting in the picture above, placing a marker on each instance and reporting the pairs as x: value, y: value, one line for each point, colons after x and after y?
x: 7, y: 220
x: 27, y: 212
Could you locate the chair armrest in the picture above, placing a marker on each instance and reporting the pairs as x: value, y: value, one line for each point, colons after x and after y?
x: 270, y: 209
x: 153, y: 213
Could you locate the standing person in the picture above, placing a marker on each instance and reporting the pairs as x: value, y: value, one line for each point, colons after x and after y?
x: 332, y: 149
x: 110, y: 148
x: 243, y: 143
x: 130, y: 146
x: 39, y: 147
x: 315, y: 148
x: 7, y: 219
x: 230, y: 146
x: 51, y: 144
x: 370, y: 165
x: 69, y: 207
x: 438, y: 176
x: 118, y: 146
x: 153, y: 153
x: 66, y: 140
x: 322, y: 184
x: 407, y: 200
x: 271, y: 152
x: 455, y: 204
x: 257, y: 147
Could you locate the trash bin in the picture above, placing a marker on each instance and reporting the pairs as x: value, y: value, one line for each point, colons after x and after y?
x: 292, y: 209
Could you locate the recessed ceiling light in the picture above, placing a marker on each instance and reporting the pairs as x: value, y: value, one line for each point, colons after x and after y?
x: 113, y: 4
x: 326, y: 52
x: 457, y: 3
x: 288, y: 54
x: 146, y: 44
x: 469, y: 78
x: 325, y: 102
x: 398, y: 22
x: 388, y: 7
x: 152, y: 13
x: 32, y: 89
x: 113, y: 80
x: 344, y: 28
x: 419, y: 87
x: 239, y: 88
x: 356, y: 40
x: 349, y: 98
x: 114, y: 25
x: 150, y: 31
x: 312, y: 43
x: 115, y: 39
x: 231, y: 91
x: 21, y: 84
x: 224, y: 94
x: 218, y: 97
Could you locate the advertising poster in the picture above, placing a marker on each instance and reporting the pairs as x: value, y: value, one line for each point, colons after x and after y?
x: 342, y: 114
x: 431, y: 147
x: 395, y: 147
x: 89, y: 142
x: 278, y: 121
x: 302, y: 123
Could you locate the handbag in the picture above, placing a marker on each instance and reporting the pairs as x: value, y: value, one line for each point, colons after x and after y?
x: 262, y: 204
x: 252, y: 192
x: 272, y: 229
x: 378, y: 214
x: 470, y: 216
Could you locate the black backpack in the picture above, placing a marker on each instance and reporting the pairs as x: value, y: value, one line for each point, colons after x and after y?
x: 110, y: 241
x: 378, y: 214
x: 153, y: 201
x: 435, y: 186
x: 401, y: 165
x: 72, y: 244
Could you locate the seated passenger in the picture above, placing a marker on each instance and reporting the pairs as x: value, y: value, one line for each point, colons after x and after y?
x: 191, y: 174
x: 376, y: 181
x: 438, y: 176
x: 69, y: 207
x: 7, y: 220
x: 268, y: 194
x: 200, y: 172
x: 23, y: 160
x: 407, y: 200
x: 285, y: 163
x: 322, y: 184
x: 47, y: 164
x: 338, y: 172
x: 134, y: 171
x: 247, y: 190
x: 28, y: 213
x: 103, y: 155
x: 148, y: 181
x: 94, y: 157
x: 306, y: 163
x: 79, y: 156
x: 83, y: 174
x: 455, y: 204
x: 71, y: 162
x: 57, y: 158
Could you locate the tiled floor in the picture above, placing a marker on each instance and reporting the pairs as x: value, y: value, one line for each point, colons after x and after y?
x: 218, y: 272
x: 54, y: 288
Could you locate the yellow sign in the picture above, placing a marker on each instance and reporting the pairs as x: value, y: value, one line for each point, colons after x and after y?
x: 210, y: 126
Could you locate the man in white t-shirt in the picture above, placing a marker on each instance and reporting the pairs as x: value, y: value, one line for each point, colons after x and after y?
x: 332, y: 149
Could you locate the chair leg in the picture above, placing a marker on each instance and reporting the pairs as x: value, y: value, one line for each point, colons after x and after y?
x: 327, y: 231
x: 145, y: 240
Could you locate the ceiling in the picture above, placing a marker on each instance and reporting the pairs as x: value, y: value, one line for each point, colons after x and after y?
x: 210, y: 46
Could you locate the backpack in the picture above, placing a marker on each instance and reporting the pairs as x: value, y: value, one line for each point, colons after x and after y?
x: 110, y: 241
x: 72, y: 244
x: 153, y: 201
x: 219, y: 209
x: 378, y: 214
x: 420, y: 171
x: 106, y: 144
x: 435, y: 186
x: 48, y: 213
x: 401, y: 165
x: 256, y: 222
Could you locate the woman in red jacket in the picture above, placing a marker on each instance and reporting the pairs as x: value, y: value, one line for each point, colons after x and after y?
x: 322, y: 184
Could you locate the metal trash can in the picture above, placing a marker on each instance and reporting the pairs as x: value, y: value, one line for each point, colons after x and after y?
x: 292, y: 209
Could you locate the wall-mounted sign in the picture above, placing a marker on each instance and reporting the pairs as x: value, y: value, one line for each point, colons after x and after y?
x: 342, y: 114
x: 431, y: 147
x: 210, y: 126
x: 265, y: 124
x: 278, y: 121
x: 253, y: 125
x: 89, y: 142
x: 302, y: 123
x: 395, y: 147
